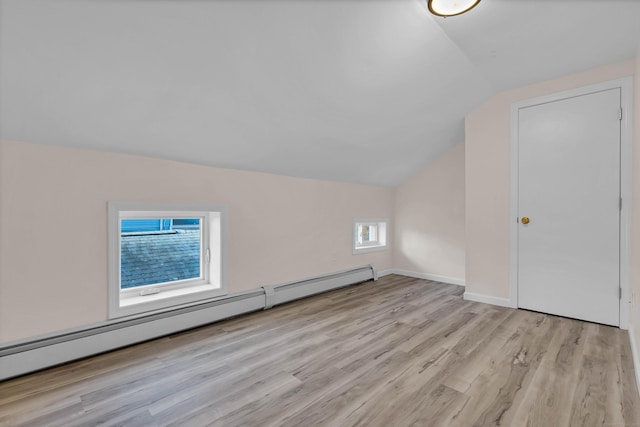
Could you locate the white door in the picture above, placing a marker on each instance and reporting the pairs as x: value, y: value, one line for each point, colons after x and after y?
x: 569, y: 189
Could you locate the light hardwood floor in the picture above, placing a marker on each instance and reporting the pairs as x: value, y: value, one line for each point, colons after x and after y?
x: 396, y: 352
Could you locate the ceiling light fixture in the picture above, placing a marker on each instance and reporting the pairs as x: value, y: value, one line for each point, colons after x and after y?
x: 451, y: 7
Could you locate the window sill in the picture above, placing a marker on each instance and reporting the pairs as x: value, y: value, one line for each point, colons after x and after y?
x: 137, y: 304
x: 173, y: 293
x: 367, y: 249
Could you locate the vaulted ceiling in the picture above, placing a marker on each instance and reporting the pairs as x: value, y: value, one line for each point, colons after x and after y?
x: 347, y: 90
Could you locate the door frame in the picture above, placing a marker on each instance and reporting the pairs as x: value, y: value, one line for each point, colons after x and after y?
x: 626, y: 91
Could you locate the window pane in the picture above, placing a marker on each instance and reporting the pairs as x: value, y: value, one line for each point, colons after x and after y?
x: 166, y: 253
x: 138, y: 225
x: 373, y: 233
x: 365, y: 233
x: 186, y: 223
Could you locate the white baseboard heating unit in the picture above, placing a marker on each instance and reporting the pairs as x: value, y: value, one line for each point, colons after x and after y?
x: 24, y: 357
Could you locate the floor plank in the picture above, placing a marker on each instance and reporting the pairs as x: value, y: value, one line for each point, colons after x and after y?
x: 399, y: 351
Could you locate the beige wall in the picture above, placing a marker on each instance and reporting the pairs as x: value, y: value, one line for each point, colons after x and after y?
x: 429, y: 233
x: 53, y: 251
x: 487, y: 177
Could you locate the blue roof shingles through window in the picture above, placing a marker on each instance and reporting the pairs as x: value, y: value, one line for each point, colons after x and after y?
x: 149, y: 258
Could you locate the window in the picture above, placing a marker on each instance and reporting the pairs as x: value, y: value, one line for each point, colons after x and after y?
x: 163, y: 255
x: 369, y: 235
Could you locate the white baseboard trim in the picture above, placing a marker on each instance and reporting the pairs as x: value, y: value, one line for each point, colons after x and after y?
x: 427, y: 276
x: 386, y: 272
x: 487, y: 299
x: 65, y: 346
x: 634, y: 355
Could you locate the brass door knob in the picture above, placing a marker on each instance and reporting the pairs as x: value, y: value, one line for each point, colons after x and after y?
x: 524, y: 220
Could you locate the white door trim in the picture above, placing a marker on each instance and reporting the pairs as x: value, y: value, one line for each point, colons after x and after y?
x: 626, y: 88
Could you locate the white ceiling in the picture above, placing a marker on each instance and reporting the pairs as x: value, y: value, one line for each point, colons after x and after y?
x: 347, y: 90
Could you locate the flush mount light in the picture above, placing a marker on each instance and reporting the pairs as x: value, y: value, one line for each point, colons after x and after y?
x: 450, y: 7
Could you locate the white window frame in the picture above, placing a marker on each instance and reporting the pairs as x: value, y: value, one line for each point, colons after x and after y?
x: 163, y: 296
x: 382, y: 229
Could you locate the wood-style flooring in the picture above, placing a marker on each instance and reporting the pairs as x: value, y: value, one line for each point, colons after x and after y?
x: 396, y: 352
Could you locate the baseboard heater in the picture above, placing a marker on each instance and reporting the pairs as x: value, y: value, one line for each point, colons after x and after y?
x: 25, y: 357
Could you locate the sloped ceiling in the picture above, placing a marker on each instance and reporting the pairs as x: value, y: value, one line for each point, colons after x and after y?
x: 346, y: 90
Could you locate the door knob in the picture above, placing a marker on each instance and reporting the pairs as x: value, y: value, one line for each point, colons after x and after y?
x: 524, y: 220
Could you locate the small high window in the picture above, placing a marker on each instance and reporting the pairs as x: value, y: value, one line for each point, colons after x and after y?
x: 369, y: 235
x: 163, y: 255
